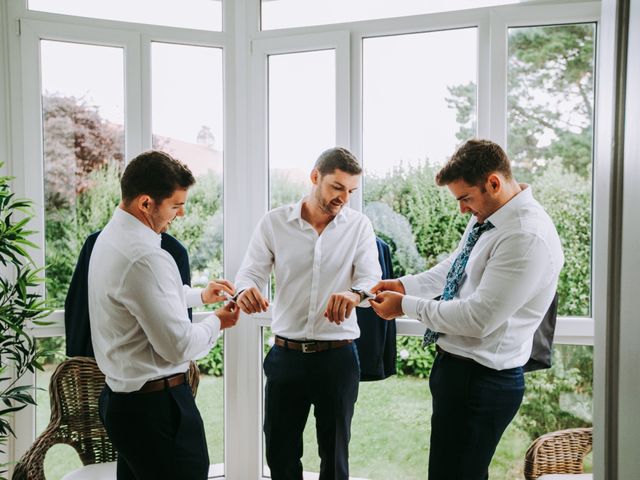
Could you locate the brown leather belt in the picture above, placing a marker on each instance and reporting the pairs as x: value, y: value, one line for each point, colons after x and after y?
x: 459, y: 357
x: 162, y: 383
x: 310, y: 346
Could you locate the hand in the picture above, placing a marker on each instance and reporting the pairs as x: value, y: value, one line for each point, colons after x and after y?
x: 340, y: 306
x: 213, y: 292
x: 252, y: 301
x: 228, y: 315
x: 388, y: 305
x: 389, y: 286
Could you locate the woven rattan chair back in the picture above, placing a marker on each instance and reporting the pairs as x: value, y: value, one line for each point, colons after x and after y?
x: 558, y: 452
x: 74, y: 392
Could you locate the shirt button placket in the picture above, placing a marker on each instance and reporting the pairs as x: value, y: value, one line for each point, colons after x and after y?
x: 313, y: 294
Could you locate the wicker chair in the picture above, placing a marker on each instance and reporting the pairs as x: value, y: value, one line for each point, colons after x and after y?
x: 558, y: 452
x: 74, y: 390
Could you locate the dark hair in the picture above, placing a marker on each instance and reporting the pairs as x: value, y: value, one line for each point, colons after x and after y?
x: 156, y: 174
x: 337, y: 158
x: 473, y: 162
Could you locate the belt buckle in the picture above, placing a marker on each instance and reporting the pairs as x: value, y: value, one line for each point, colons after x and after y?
x: 308, y: 347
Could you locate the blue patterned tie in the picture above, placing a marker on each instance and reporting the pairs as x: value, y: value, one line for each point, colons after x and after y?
x: 456, y: 272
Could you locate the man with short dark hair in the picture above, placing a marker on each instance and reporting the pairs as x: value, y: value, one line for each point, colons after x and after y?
x: 141, y: 334
x: 325, y: 259
x: 482, y: 305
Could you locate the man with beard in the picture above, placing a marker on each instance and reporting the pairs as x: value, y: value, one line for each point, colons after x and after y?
x: 325, y: 259
x: 482, y: 305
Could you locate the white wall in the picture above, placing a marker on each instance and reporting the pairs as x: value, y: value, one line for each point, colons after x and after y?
x: 629, y: 377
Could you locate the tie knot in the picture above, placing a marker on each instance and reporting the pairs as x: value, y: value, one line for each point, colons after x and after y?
x: 482, y: 227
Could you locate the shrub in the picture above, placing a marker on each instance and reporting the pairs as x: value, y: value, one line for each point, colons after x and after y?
x: 213, y: 363
x: 545, y: 409
x: 20, y: 306
x: 413, y: 359
x: 431, y: 211
x: 567, y: 199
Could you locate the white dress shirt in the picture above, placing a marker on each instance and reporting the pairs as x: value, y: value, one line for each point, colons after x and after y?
x: 138, y: 308
x: 309, y: 268
x: 511, y: 278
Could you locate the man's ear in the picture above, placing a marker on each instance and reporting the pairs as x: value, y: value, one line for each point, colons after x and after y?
x: 314, y: 176
x: 144, y: 202
x: 494, y: 183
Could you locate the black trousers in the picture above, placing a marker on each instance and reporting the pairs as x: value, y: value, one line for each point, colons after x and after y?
x: 472, y: 406
x: 156, y: 435
x: 327, y: 380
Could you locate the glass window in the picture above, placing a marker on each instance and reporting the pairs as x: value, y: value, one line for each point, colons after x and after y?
x: 415, y: 89
x: 550, y: 139
x: 187, y: 122
x: 555, y: 399
x: 294, y: 13
x: 302, y: 119
x: 197, y: 14
x: 83, y: 125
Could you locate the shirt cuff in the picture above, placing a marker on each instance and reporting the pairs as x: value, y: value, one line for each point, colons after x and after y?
x: 410, y: 306
x: 410, y: 284
x: 193, y: 297
x: 212, y: 322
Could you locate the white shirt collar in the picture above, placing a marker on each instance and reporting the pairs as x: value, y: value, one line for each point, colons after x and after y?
x: 131, y: 223
x: 295, y: 213
x: 500, y: 216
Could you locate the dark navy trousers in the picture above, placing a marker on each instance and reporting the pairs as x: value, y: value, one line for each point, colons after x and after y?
x: 156, y: 435
x: 472, y: 406
x: 327, y: 380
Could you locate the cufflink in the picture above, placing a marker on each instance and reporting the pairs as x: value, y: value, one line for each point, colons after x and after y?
x: 363, y: 294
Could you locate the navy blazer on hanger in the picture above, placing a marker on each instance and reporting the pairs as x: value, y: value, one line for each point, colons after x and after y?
x: 377, y: 342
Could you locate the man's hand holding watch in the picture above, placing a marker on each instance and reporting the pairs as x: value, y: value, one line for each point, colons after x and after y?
x: 342, y: 304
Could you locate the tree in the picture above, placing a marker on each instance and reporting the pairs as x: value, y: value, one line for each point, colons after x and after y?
x: 463, y: 101
x: 550, y: 85
x: 83, y: 156
x: 77, y: 141
x: 549, y: 100
x: 206, y: 137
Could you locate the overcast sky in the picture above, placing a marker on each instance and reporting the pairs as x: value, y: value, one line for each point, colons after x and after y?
x: 405, y: 80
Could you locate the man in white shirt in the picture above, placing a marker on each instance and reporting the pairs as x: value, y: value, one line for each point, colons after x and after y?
x: 325, y: 259
x: 485, y: 302
x: 142, y: 337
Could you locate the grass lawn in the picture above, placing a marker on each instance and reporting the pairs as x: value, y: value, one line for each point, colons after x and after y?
x: 390, y: 433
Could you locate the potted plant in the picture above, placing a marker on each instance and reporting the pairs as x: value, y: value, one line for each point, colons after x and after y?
x: 20, y: 308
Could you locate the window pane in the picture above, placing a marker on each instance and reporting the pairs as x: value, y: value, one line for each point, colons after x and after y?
x: 302, y: 119
x: 187, y: 122
x: 550, y: 139
x: 555, y: 399
x: 294, y: 13
x: 197, y: 14
x: 83, y: 124
x: 419, y: 102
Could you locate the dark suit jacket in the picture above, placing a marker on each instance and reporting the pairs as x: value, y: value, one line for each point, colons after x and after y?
x: 76, y: 305
x: 377, y: 342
